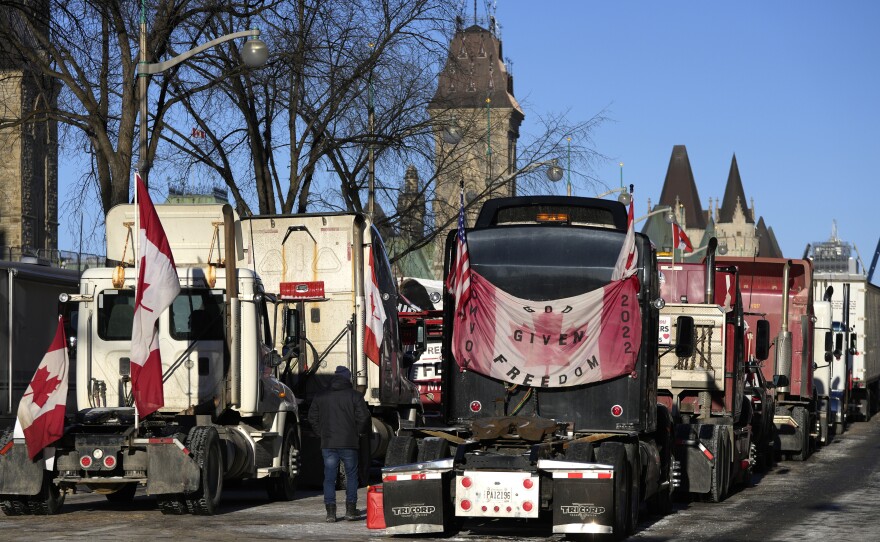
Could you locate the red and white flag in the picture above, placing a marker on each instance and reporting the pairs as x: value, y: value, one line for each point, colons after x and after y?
x: 42, y: 407
x: 375, y: 328
x: 551, y: 343
x: 680, y: 239
x: 157, y: 286
x: 626, y: 260
x: 458, y: 283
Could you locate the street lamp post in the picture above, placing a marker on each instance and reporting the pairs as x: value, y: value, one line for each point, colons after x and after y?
x: 254, y: 53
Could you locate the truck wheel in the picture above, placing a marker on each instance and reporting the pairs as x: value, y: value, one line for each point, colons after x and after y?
x: 124, y: 494
x: 204, y: 443
x: 14, y: 505
x: 283, y: 487
x: 633, y: 463
x: 171, y: 504
x: 614, y: 453
x: 721, y: 469
x: 401, y: 451
x: 802, y: 416
x: 432, y: 449
x: 49, y: 500
x: 579, y: 451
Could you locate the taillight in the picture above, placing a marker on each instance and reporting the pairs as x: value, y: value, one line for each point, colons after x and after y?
x: 466, y: 482
x: 527, y: 506
x: 110, y: 461
x: 85, y: 461
x: 528, y: 484
x: 465, y: 504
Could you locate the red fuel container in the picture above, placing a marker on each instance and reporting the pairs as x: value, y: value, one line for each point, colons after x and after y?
x: 375, y: 508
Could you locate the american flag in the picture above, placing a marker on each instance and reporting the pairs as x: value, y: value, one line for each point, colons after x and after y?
x: 459, y: 280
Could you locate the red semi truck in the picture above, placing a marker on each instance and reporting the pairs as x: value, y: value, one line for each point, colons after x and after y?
x: 703, y: 365
x: 780, y: 291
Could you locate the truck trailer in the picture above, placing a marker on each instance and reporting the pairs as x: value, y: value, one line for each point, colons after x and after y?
x: 781, y: 291
x: 518, y: 441
x: 29, y: 308
x: 226, y: 414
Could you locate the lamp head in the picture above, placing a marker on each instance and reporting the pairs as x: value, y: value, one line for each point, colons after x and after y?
x: 451, y: 133
x: 669, y: 217
x: 254, y: 52
x: 625, y: 197
x: 722, y: 248
x: 554, y: 171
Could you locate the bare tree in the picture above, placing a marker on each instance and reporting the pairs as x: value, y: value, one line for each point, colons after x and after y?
x: 89, y: 48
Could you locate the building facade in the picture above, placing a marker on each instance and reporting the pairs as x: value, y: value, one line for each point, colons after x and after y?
x: 733, y: 223
x: 476, y: 119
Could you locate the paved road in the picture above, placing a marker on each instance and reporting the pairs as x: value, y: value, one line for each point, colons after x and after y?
x: 832, y: 496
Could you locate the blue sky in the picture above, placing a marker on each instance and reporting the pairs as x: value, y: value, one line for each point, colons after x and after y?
x: 791, y: 87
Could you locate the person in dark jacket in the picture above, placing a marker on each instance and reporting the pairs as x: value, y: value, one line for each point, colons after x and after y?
x: 339, y: 414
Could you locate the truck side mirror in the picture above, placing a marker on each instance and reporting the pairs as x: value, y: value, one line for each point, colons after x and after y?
x: 421, y: 336
x: 684, y: 336
x: 762, y: 343
x: 829, y: 342
x: 852, y: 344
x: 838, y: 345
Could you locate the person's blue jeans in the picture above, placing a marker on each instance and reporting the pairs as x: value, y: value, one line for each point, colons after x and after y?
x: 349, y: 458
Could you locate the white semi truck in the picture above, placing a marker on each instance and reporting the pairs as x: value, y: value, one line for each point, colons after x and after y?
x: 320, y: 265
x: 226, y: 414
x: 854, y: 380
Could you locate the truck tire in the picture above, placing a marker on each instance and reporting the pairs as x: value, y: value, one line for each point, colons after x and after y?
x: 12, y: 505
x: 283, y: 486
x: 614, y: 453
x: 124, y: 494
x: 401, y: 451
x: 172, y: 504
x: 204, y: 443
x: 634, y: 468
x: 49, y: 500
x: 721, y: 469
x: 802, y: 417
x: 579, y: 451
x: 432, y: 449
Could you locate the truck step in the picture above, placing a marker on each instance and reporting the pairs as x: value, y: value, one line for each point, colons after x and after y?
x: 257, y: 435
x: 266, y: 471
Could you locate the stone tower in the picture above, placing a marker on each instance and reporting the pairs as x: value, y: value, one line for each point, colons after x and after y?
x: 474, y: 99
x: 28, y: 159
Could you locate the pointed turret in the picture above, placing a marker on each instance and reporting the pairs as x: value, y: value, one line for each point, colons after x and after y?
x: 734, y: 195
x: 680, y: 187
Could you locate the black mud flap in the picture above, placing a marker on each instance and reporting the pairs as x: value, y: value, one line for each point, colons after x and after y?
x: 416, y: 506
x: 18, y: 474
x: 789, y: 431
x: 170, y: 470
x: 691, y: 445
x: 583, y: 505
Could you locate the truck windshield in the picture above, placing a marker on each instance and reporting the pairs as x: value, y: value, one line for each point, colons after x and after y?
x: 197, y: 315
x: 115, y: 314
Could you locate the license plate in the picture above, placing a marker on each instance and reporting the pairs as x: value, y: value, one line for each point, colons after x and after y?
x: 498, y: 494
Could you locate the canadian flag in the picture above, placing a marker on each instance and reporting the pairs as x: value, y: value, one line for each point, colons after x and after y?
x: 375, y: 318
x: 42, y: 407
x: 680, y: 239
x: 626, y: 260
x: 157, y: 286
